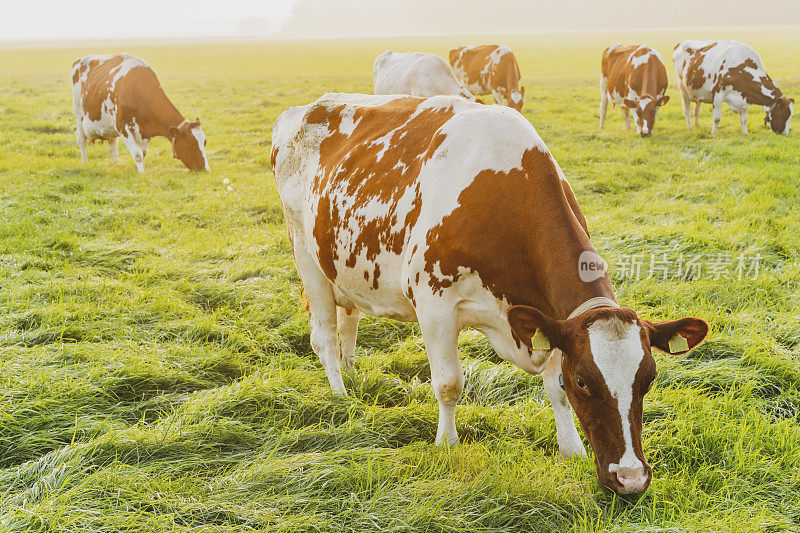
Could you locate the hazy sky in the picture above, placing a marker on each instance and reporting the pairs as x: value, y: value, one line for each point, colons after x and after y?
x: 90, y: 19
x: 93, y: 19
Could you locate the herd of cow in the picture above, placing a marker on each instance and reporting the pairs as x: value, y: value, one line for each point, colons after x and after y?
x: 420, y: 203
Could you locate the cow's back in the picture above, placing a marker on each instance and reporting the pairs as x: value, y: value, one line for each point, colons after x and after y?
x: 112, y: 91
x: 414, y: 73
x: 366, y: 181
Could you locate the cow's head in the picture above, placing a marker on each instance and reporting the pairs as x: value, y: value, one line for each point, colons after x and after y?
x: 645, y: 109
x: 607, y: 369
x: 780, y: 115
x: 189, y: 144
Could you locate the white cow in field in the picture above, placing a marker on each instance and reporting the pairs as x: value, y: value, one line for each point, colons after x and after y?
x: 416, y: 74
x: 718, y: 72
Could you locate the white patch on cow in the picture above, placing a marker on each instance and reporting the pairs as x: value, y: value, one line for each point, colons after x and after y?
x: 128, y: 63
x: 639, y: 60
x: 789, y: 120
x: 201, y: 144
x: 617, y: 351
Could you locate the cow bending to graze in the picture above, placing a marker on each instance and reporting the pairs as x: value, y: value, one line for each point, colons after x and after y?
x: 715, y: 72
x: 635, y: 79
x: 489, y: 69
x: 416, y: 74
x: 455, y: 215
x: 120, y: 96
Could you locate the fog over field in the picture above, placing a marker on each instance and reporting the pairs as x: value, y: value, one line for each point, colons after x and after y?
x: 389, y: 17
x: 92, y: 19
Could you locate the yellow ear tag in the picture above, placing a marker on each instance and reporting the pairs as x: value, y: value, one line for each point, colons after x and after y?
x: 678, y: 344
x: 539, y: 341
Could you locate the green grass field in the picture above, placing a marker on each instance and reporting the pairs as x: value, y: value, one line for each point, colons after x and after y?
x: 155, y: 367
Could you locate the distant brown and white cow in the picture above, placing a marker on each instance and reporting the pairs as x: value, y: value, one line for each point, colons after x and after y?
x: 417, y: 74
x: 716, y: 72
x: 634, y: 78
x: 489, y: 69
x: 455, y: 215
x: 120, y: 96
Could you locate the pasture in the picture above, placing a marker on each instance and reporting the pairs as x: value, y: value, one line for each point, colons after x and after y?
x: 155, y: 367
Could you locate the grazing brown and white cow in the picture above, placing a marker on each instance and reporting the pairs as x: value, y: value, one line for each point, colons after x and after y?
x: 489, y: 69
x: 120, y: 96
x: 455, y: 215
x: 634, y: 78
x: 715, y: 72
x: 417, y: 74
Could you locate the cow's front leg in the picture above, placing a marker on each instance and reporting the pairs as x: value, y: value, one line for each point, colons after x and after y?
x: 440, y: 333
x: 743, y: 120
x: 569, y: 442
x: 136, y: 151
x: 603, y: 101
x: 113, y: 149
x: 626, y: 114
x: 717, y: 113
x: 500, y: 98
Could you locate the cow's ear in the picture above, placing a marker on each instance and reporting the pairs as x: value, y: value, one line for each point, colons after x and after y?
x: 676, y: 337
x: 664, y: 100
x: 535, y: 329
x: 629, y: 103
x: 454, y: 56
x: 173, y: 131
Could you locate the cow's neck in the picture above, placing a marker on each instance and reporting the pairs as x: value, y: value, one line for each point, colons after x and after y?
x: 754, y: 94
x: 162, y: 115
x: 555, y: 247
x: 560, y: 284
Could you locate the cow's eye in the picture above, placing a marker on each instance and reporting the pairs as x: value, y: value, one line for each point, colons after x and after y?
x: 582, y: 385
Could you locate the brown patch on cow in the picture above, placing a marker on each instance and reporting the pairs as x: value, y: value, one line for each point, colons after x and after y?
x: 526, y: 256
x: 325, y: 235
x: 273, y: 157
x: 695, y: 76
x: 750, y: 87
x: 357, y: 167
x: 375, y: 276
x: 472, y: 66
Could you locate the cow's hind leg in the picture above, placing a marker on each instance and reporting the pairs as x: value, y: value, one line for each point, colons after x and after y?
x: 321, y: 313
x: 743, y: 120
x: 113, y: 149
x: 347, y: 321
x: 569, y: 442
x: 603, y: 101
x: 440, y: 333
x: 81, y: 139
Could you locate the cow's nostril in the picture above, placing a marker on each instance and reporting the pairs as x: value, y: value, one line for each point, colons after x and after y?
x: 633, y: 483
